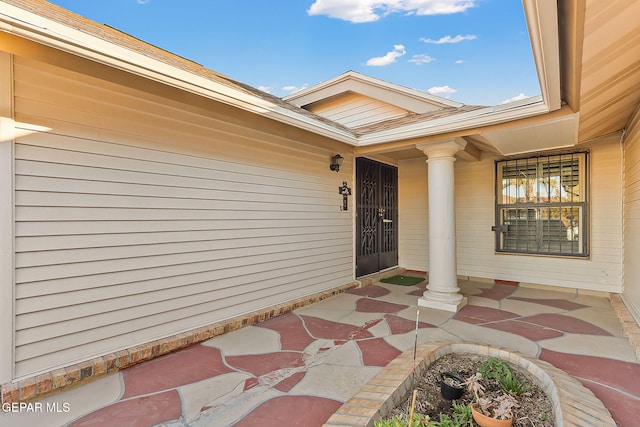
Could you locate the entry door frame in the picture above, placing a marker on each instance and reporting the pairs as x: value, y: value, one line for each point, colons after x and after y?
x: 376, y: 216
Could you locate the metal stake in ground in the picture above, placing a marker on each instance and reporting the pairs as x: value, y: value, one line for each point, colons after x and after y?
x: 413, y: 374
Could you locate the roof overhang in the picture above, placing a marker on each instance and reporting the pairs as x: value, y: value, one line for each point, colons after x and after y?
x: 33, y: 27
x: 409, y: 99
x: 541, y: 20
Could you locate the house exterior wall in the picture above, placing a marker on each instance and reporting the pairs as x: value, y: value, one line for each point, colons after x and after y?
x: 413, y: 207
x: 475, y: 211
x: 631, y: 292
x: 475, y: 214
x: 138, y: 216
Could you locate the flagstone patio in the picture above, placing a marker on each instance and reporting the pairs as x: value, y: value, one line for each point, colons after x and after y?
x: 299, y: 368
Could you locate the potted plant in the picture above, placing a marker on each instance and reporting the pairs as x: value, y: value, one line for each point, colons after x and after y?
x: 490, y: 412
x: 451, y: 386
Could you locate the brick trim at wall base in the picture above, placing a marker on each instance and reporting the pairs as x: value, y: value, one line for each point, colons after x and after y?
x: 630, y: 326
x: 506, y: 282
x: 40, y: 386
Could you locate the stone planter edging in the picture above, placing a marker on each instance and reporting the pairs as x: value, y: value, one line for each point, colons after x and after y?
x: 573, y: 404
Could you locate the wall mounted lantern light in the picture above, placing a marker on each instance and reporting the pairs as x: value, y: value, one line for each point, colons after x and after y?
x: 336, y: 162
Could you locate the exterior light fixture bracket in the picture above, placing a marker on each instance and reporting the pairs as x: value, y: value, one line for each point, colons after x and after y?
x: 336, y: 162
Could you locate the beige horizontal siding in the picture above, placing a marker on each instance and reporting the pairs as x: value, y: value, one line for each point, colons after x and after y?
x: 632, y: 218
x: 413, y: 214
x: 356, y: 110
x: 138, y: 217
x: 475, y: 214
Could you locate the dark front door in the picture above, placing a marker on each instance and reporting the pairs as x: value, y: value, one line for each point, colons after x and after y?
x: 376, y: 216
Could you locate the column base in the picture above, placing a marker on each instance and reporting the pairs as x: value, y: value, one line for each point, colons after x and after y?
x: 454, y: 306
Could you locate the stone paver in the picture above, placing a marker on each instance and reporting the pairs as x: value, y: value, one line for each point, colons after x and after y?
x: 209, y: 392
x: 615, y: 348
x: 243, y: 341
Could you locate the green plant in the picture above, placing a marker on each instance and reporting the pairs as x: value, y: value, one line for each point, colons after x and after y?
x: 460, y: 418
x: 418, y: 420
x: 512, y: 385
x: 446, y: 421
x: 494, y: 368
x: 543, y: 416
x: 499, y: 370
x: 397, y: 421
x: 462, y: 415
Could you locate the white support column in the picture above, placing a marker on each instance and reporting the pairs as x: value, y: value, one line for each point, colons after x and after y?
x: 6, y: 219
x: 442, y: 292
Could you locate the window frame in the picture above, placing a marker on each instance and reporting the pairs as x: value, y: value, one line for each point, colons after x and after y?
x: 551, y: 221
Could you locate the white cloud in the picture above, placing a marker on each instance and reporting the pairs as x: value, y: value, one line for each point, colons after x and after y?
x: 266, y: 89
x: 443, y: 91
x: 389, y: 58
x: 448, y: 39
x: 459, y: 61
x: 143, y: 1
x: 358, y: 11
x: 421, y: 59
x: 293, y: 89
x: 515, y: 98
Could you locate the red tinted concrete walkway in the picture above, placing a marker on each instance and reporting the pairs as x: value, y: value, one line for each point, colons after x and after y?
x: 299, y: 368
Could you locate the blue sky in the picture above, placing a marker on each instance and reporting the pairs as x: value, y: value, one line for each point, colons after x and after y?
x: 472, y: 51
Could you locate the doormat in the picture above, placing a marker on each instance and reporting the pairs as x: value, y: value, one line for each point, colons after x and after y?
x: 403, y: 280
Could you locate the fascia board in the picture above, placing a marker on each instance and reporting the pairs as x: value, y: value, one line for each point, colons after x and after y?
x: 295, y: 97
x: 408, y: 91
x: 290, y: 117
x: 472, y: 119
x: 542, y: 23
x: 50, y: 33
x: 30, y: 26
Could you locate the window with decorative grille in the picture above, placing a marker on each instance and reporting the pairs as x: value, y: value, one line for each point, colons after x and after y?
x: 542, y: 205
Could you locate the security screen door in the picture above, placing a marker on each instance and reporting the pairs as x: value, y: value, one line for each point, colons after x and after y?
x: 376, y: 216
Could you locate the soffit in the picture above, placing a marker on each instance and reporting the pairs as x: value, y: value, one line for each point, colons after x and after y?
x: 539, y: 136
x: 610, y: 67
